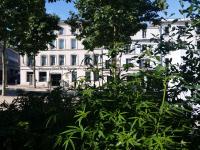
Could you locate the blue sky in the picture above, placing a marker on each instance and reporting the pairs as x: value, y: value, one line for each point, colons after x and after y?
x: 61, y: 8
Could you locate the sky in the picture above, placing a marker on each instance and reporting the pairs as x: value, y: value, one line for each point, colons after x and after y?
x: 62, y: 9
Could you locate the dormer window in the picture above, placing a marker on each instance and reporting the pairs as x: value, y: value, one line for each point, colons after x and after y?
x: 166, y: 30
x: 61, y: 31
x: 73, y: 31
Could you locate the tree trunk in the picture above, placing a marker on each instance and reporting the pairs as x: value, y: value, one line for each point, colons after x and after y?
x: 34, y: 74
x: 114, y: 58
x: 102, y: 77
x: 4, y: 69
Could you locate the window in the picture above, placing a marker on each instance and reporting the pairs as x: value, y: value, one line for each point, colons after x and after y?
x: 198, y: 45
x: 74, y: 76
x: 30, y: 61
x: 73, y: 43
x: 52, y: 60
x: 29, y: 76
x: 181, y: 29
x: 61, y: 60
x: 144, y: 63
x: 129, y: 78
x: 73, y: 31
x: 109, y: 79
x: 96, y: 75
x: 43, y: 60
x: 133, y: 47
x: 53, y: 44
x: 42, y: 76
x: 127, y: 48
x: 128, y: 61
x: 167, y: 61
x: 61, y: 43
x: 198, y: 30
x: 95, y: 59
x: 87, y: 76
x: 166, y: 30
x: 107, y: 64
x: 87, y: 59
x: 73, y: 60
x: 61, y: 31
x: 144, y: 47
x: 144, y: 33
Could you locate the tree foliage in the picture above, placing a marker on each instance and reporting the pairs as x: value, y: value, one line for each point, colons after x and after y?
x: 110, y: 24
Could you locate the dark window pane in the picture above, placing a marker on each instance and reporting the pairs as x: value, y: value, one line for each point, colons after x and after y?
x: 52, y: 60
x: 144, y: 63
x: 198, y: 45
x: 74, y: 76
x: 44, y: 61
x: 166, y: 30
x: 87, y: 59
x: 107, y: 64
x: 42, y: 76
x: 109, y: 79
x: 144, y: 33
x: 61, y: 60
x: 144, y: 47
x: 128, y: 61
x: 87, y: 76
x: 61, y: 43
x: 96, y: 75
x: 73, y: 43
x: 61, y: 31
x: 96, y: 59
x: 30, y: 61
x: 73, y: 60
x: 29, y: 76
x: 198, y: 30
x: 53, y: 44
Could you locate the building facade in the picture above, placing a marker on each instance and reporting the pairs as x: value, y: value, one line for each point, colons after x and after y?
x: 13, y: 66
x: 67, y: 61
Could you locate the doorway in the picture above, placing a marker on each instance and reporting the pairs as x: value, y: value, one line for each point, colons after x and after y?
x: 30, y: 78
x: 55, y: 79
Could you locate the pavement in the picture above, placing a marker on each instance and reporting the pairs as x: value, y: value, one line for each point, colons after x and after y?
x: 8, y: 99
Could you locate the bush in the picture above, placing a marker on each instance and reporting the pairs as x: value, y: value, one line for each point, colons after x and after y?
x: 33, y: 120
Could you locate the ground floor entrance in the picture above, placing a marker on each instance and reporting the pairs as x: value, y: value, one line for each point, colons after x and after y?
x: 55, y: 79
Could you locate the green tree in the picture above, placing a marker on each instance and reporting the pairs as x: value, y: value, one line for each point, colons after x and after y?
x: 12, y: 23
x: 41, y: 32
x: 24, y: 26
x: 110, y: 24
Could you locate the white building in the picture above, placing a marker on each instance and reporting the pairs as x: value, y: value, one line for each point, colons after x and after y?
x: 64, y: 62
x: 68, y: 62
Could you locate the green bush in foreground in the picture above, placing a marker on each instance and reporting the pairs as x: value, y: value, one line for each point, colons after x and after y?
x: 120, y: 115
x: 129, y: 115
